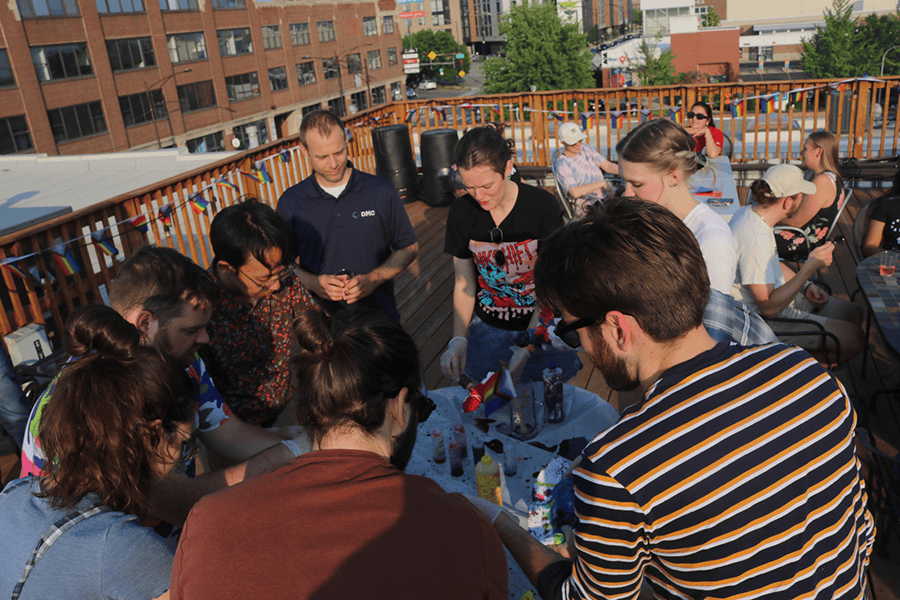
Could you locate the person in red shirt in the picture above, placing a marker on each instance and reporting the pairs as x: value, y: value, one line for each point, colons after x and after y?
x: 700, y: 124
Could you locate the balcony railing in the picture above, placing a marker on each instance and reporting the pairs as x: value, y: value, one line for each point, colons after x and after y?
x: 767, y: 122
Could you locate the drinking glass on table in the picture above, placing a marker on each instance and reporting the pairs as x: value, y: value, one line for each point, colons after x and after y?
x: 887, y: 264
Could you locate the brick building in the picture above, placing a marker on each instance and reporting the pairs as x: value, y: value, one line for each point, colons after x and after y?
x: 84, y: 76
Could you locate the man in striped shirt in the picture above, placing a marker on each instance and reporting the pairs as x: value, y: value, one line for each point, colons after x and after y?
x: 735, y: 477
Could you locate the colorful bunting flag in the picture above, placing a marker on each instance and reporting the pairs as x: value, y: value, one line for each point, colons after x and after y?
x: 441, y: 111
x: 558, y: 115
x: 496, y: 109
x: 103, y: 241
x: 794, y: 97
x: 139, y: 222
x: 767, y: 103
x: 646, y: 114
x: 198, y: 202
x: 676, y: 115
x: 164, y: 215
x: 252, y: 175
x: 226, y: 184
x: 12, y: 267
x: 500, y: 393
x: 349, y: 134
x: 587, y: 120
x: 285, y: 156
x: 410, y: 114
x: 617, y: 119
x: 263, y: 172
x: 737, y: 108
x: 64, y: 259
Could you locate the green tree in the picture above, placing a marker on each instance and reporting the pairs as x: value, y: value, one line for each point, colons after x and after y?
x: 878, y: 34
x: 711, y: 18
x: 441, y: 42
x: 540, y: 51
x: 834, y: 51
x: 656, y: 70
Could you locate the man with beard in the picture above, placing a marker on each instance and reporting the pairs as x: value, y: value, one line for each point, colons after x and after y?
x: 735, y: 476
x: 344, y: 521
x: 349, y: 230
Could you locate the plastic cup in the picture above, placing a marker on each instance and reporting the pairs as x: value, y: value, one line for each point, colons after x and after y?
x: 888, y: 264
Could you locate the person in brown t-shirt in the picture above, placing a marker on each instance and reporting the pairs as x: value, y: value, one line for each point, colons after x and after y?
x: 344, y: 521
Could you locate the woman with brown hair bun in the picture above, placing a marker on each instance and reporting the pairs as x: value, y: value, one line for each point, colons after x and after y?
x: 122, y: 418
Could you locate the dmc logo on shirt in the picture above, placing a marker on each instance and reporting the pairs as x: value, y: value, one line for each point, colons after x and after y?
x: 365, y: 213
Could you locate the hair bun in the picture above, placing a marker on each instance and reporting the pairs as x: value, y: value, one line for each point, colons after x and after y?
x: 98, y: 328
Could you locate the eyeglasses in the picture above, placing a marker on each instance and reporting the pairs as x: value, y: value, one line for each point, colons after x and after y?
x: 567, y: 332
x: 497, y: 238
x: 423, y: 404
x: 189, y: 448
x: 693, y: 115
x: 271, y: 280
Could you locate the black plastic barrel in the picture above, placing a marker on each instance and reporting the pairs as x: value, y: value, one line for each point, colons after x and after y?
x: 437, y: 158
x: 394, y: 160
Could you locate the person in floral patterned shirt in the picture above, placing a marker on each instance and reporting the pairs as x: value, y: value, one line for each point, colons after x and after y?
x: 258, y: 297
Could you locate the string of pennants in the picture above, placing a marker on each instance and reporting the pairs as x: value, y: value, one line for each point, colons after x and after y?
x: 62, y: 256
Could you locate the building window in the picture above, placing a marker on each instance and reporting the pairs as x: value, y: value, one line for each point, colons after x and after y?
x: 143, y: 107
x: 396, y: 92
x: 354, y: 64
x: 119, y: 6
x: 306, y: 73
x: 358, y: 101
x: 336, y: 106
x: 252, y: 135
x: 370, y: 26
x: 14, y: 136
x: 214, y: 142
x: 171, y: 5
x: 134, y: 53
x: 378, y: 96
x: 186, y: 47
x: 73, y: 122
x: 331, y: 68
x: 61, y: 62
x: 300, y: 34
x: 242, y: 87
x: 6, y: 76
x: 308, y: 109
x: 47, y: 8
x: 278, y: 79
x: 392, y: 56
x: 226, y: 4
x: 271, y: 37
x: 235, y: 41
x: 387, y: 24
x: 196, y: 96
x: 326, y: 31
x: 374, y: 59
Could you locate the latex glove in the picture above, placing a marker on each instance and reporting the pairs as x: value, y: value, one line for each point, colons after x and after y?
x: 453, y: 361
x: 300, y: 444
x: 489, y: 509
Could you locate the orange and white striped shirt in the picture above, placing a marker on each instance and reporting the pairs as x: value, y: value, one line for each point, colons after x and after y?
x: 735, y: 478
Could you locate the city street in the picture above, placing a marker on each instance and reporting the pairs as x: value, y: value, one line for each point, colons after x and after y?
x: 471, y: 84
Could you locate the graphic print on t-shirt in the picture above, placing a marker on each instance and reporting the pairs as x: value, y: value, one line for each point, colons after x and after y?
x: 505, y: 293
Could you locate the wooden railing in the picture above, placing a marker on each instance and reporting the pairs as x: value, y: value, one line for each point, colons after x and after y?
x: 767, y: 131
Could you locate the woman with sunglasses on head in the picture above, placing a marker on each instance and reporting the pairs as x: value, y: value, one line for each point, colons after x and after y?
x: 493, y: 232
x: 817, y: 211
x: 121, y: 419
x: 702, y: 128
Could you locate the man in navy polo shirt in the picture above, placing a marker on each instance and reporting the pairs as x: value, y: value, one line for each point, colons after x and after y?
x: 351, y: 232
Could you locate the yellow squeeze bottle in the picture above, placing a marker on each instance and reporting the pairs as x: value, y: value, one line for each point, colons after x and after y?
x: 487, y: 479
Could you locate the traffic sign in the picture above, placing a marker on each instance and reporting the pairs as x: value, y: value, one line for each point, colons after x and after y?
x: 460, y: 56
x: 622, y: 58
x: 432, y: 55
x: 462, y: 73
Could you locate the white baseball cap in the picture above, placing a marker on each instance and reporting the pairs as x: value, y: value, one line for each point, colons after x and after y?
x: 787, y: 180
x: 570, y: 133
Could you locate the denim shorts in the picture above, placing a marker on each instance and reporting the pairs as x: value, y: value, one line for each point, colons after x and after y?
x: 488, y: 345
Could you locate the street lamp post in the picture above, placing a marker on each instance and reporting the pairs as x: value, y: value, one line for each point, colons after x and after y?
x: 160, y: 83
x: 883, y: 56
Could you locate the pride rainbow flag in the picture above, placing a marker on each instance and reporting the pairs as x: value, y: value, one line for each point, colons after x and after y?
x: 559, y: 116
x: 164, y: 215
x: 226, y: 184
x: 198, y: 202
x: 496, y: 109
x: 139, y: 222
x: 285, y: 156
x: 646, y: 114
x: 617, y: 119
x: 676, y: 115
x: 440, y: 110
x: 768, y: 104
x: 104, y: 242
x: 263, y: 172
x: 410, y: 114
x: 10, y: 264
x: 64, y: 259
x: 737, y: 108
x: 587, y: 120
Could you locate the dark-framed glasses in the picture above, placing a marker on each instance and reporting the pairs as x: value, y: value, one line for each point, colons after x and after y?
x: 189, y: 448
x: 423, y: 404
x: 271, y: 280
x: 497, y: 238
x: 568, y: 332
x: 693, y: 115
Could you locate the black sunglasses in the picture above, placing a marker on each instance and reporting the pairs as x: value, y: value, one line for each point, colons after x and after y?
x: 497, y: 238
x: 693, y: 115
x: 568, y: 332
x: 423, y: 404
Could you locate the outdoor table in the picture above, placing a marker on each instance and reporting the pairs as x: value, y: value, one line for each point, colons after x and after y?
x: 586, y: 416
x: 717, y: 176
x: 883, y: 296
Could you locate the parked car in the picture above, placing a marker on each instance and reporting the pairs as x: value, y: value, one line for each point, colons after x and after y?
x: 630, y: 36
x: 410, y: 93
x: 428, y: 84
